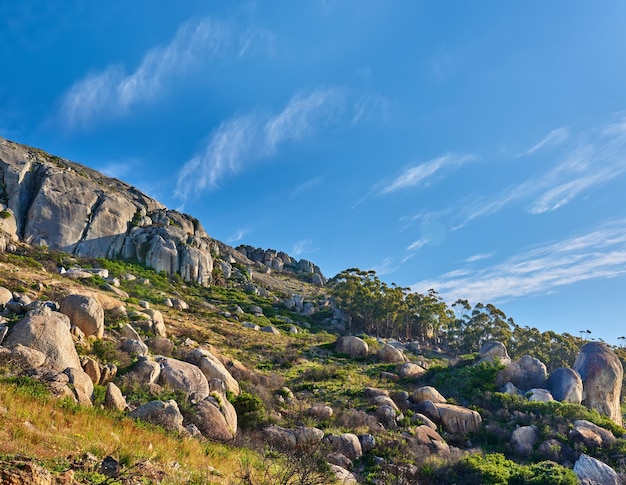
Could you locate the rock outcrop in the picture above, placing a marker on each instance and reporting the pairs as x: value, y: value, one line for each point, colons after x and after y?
x: 69, y: 207
x: 524, y: 373
x: 565, y: 385
x: 601, y: 372
x: 591, y: 471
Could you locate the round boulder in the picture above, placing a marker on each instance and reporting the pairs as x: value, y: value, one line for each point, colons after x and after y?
x: 84, y: 312
x: 565, y: 385
x: 353, y: 346
x: 494, y: 351
x: 601, y: 372
x: 390, y: 354
x: 524, y: 373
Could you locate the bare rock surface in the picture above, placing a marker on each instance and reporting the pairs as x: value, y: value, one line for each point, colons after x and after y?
x: 601, y: 372
x: 84, y: 312
x: 353, y: 346
x: 565, y: 385
x: 524, y: 373
x: 591, y: 471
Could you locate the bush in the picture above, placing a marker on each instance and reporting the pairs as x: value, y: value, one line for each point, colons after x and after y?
x: 251, y: 411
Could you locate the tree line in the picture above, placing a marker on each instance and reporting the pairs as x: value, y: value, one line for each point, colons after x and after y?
x: 390, y: 311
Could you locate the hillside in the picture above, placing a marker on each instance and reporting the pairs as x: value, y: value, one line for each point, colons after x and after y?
x: 135, y: 348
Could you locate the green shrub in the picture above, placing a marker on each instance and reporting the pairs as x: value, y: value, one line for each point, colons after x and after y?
x: 250, y: 409
x: 5, y: 214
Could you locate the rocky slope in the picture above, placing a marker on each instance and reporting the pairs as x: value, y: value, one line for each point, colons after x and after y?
x: 49, y: 201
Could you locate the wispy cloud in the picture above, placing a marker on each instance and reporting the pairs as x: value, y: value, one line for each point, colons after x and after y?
x: 385, y: 267
x: 304, y: 246
x: 478, y: 257
x: 422, y: 174
x: 414, y: 246
x: 600, y: 253
x: 251, y: 137
x: 306, y: 186
x: 555, y: 137
x: 238, y: 236
x: 112, y: 92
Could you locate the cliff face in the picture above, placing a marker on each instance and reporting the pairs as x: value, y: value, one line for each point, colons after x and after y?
x: 45, y: 200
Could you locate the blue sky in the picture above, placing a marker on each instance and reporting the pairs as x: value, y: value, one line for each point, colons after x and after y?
x: 475, y: 147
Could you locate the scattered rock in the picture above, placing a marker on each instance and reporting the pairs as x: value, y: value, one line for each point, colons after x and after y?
x: 185, y: 377
x: 524, y: 373
x: 212, y: 422
x: 165, y: 414
x: 410, y: 370
x: 494, y: 351
x: 429, y: 437
x: 270, y: 329
x: 538, y: 394
x: 591, y: 435
x: 113, y: 398
x: 523, y: 439
x: 82, y: 385
x: 84, y: 312
x: 320, y: 412
x: 390, y: 354
x: 593, y: 472
x: 427, y: 393
x: 347, y: 444
x: 212, y: 368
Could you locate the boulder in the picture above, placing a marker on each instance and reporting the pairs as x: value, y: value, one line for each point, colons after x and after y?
x: 427, y: 393
x: 212, y: 422
x: 454, y: 419
x: 134, y: 347
x: 212, y: 368
x: 113, y: 398
x: 353, y: 346
x: 19, y: 358
x: 342, y: 475
x: 82, y: 385
x: 91, y: 368
x: 158, y: 324
x: 429, y: 437
x: 390, y: 354
x: 5, y: 296
x: 368, y: 442
x: 524, y: 373
x: 270, y: 329
x: 145, y: 371
x: 164, y: 414
x: 320, y: 412
x: 538, y: 394
x: 48, y: 332
x: 494, y: 351
x: 371, y: 392
x: 523, y: 439
x: 286, y: 438
x: 591, y: 435
x: 565, y: 385
x: 409, y: 370
x: 601, y: 372
x: 84, y: 312
x: 591, y: 471
x: 185, y: 377
x: 347, y: 444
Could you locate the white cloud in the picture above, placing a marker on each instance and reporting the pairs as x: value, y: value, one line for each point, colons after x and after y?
x: 478, y: 257
x: 555, y: 137
x: 417, y: 244
x: 600, y: 253
x: 302, y: 247
x: 385, y: 267
x: 306, y: 186
x: 420, y: 174
x: 238, y: 236
x: 112, y: 92
x: 246, y: 139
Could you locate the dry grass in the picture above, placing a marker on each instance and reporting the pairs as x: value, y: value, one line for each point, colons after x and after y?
x: 40, y: 427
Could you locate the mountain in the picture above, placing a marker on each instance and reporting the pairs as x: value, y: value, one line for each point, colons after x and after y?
x: 165, y: 356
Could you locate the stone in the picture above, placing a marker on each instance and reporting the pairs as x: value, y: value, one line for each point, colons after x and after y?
x: 82, y: 385
x: 286, y: 438
x: 20, y: 357
x: 386, y: 415
x: 384, y: 401
x: 420, y: 418
x: 342, y: 475
x: 27, y: 473
x: 390, y: 354
x: 114, y: 399
x: 565, y: 385
x: 179, y: 304
x: 5, y: 296
x: 4, y: 329
x: 164, y: 414
x: 591, y: 471
x: 212, y: 368
x: 251, y: 326
x: 158, y: 324
x: 107, y: 373
x: 409, y: 370
x: 371, y: 392
x: 353, y: 346
x: 524, y: 373
x: 161, y: 346
x: 427, y: 393
x: 270, y: 329
x: 454, y: 419
x: 347, y: 444
x: 320, y: 412
x: 256, y: 310
x: 211, y: 422
x: 523, y: 439
x: 185, y: 377
x: 127, y: 331
x: 540, y: 395
x: 340, y: 460
x: 91, y: 368
x: 134, y: 347
x: 429, y: 437
x: 368, y: 442
x: 494, y: 351
x: 145, y: 371
x: 110, y: 467
x: 591, y: 435
x: 48, y: 332
x: 84, y: 312
x: 601, y: 372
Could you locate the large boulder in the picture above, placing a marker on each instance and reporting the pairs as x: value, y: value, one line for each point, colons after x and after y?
x: 84, y: 312
x: 601, y: 372
x: 523, y: 439
x: 164, y: 414
x: 591, y: 435
x: 212, y: 368
x: 21, y: 358
x: 429, y: 437
x: 48, y: 332
x: 291, y: 438
x: 524, y: 373
x: 185, y: 377
x: 591, y: 471
x: 454, y: 419
x: 427, y: 393
x: 390, y: 354
x: 5, y: 296
x: 353, y: 346
x: 347, y: 444
x: 215, y: 418
x: 493, y: 351
x: 565, y: 385
x: 82, y: 385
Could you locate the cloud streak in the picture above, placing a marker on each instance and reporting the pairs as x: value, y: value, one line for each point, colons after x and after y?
x: 249, y: 138
x: 422, y: 174
x: 601, y: 253
x: 113, y: 92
